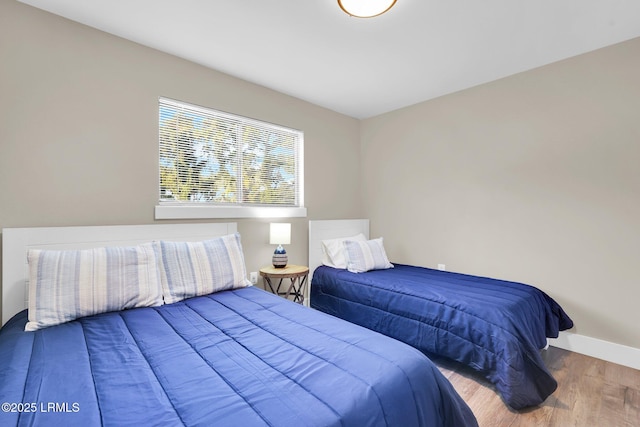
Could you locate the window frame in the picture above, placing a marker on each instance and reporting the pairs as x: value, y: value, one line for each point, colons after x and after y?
x: 165, y: 209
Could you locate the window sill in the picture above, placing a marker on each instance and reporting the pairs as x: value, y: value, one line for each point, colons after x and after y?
x: 208, y: 212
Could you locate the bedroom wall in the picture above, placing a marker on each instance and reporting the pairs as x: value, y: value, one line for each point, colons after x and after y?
x: 79, y: 139
x: 531, y: 178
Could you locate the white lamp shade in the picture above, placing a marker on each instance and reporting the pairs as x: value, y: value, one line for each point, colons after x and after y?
x: 280, y: 234
x: 366, y: 8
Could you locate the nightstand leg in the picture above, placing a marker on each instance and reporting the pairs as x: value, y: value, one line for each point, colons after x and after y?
x: 267, y: 281
x: 291, y: 287
x: 298, y: 292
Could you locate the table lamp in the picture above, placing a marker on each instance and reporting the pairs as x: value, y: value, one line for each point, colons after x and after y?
x: 280, y: 235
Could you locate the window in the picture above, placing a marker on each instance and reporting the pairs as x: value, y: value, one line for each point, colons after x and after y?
x: 218, y: 165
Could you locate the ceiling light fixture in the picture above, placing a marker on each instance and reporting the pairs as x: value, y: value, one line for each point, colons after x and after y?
x: 365, y: 8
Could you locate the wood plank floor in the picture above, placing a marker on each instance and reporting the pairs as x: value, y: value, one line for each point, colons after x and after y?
x: 591, y: 393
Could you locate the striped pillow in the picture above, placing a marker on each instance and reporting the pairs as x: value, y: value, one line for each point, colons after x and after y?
x: 333, y: 251
x: 189, y: 269
x: 365, y: 256
x: 66, y: 285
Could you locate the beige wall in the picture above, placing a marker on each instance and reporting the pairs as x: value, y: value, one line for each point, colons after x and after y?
x: 79, y: 139
x: 532, y: 178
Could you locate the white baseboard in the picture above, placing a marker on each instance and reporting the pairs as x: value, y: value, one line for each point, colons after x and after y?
x: 605, y: 350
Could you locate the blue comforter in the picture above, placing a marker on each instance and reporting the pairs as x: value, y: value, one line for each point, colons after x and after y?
x: 233, y: 358
x: 494, y: 326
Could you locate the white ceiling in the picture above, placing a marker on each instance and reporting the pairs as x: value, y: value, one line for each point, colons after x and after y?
x: 310, y: 49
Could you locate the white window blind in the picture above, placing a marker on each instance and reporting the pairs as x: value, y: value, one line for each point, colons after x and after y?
x: 214, y: 158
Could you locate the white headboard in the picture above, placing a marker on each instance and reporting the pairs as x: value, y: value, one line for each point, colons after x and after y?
x: 16, y: 242
x: 331, y: 229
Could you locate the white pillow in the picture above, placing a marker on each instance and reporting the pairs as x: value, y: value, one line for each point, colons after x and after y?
x: 333, y: 251
x: 366, y: 256
x: 66, y: 285
x: 189, y: 269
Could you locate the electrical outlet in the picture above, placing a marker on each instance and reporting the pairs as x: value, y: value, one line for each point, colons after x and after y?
x: 442, y: 267
x: 253, y: 277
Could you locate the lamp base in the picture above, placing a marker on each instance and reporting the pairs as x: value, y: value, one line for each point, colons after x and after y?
x: 280, y: 258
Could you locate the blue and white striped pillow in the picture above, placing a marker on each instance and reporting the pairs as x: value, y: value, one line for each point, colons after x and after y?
x: 365, y: 256
x: 66, y: 285
x: 333, y: 251
x: 190, y: 269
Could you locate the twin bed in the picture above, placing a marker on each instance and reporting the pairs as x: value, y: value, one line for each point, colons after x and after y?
x: 496, y: 327
x: 193, y: 345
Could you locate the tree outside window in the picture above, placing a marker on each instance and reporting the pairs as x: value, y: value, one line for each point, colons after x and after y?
x: 212, y: 157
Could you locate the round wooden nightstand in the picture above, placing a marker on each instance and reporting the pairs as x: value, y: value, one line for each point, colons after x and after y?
x: 297, y: 274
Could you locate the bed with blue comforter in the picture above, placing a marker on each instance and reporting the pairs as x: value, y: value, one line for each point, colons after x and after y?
x: 240, y: 357
x: 494, y: 326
